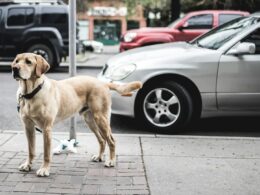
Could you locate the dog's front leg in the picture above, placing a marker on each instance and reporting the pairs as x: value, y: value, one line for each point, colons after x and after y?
x: 30, y: 134
x: 45, y: 168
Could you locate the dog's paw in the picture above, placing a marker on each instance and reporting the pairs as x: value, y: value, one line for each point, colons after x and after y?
x: 43, y: 172
x: 26, y: 167
x: 110, y: 163
x: 96, y: 158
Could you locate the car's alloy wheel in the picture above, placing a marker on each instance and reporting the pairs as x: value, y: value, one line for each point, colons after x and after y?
x: 161, y: 107
x: 164, y: 107
x: 41, y: 52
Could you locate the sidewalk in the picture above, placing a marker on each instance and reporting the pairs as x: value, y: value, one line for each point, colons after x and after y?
x: 95, y: 60
x: 146, y: 164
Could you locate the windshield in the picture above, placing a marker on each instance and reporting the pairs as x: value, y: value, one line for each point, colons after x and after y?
x: 217, y: 37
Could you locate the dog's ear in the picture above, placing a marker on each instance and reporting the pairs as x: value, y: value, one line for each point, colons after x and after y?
x: 42, y: 66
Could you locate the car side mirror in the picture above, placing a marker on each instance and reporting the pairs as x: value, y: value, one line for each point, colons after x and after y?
x: 183, y: 26
x: 243, y: 48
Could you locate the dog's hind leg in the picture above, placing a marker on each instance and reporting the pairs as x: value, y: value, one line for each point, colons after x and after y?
x: 88, y: 117
x: 30, y: 134
x: 102, y: 122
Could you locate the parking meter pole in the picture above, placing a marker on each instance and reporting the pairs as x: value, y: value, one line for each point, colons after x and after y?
x: 72, y: 55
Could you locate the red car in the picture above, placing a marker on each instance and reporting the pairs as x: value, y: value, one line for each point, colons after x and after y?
x: 183, y: 29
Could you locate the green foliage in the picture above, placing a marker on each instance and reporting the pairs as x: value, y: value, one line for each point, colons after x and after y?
x: 192, y: 5
x: 155, y: 6
x: 245, y: 5
x: 147, y: 5
x: 81, y: 5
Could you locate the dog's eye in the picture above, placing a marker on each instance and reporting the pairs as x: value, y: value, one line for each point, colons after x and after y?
x: 28, y: 61
x: 17, y: 61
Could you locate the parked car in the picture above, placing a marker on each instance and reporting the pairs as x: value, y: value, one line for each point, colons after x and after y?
x: 184, y: 29
x: 93, y: 46
x: 216, y: 74
x: 40, y: 28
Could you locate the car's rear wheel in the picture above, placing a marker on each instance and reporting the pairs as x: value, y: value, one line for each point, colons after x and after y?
x: 45, y: 51
x: 165, y: 107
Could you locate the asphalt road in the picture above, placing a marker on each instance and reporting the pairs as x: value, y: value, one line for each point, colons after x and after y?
x: 224, y: 126
x: 9, y: 119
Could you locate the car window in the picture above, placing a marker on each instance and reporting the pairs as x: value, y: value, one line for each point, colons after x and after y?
x: 0, y: 14
x: 223, y: 18
x: 254, y: 37
x: 20, y: 16
x: 203, y: 21
x: 217, y: 37
x: 54, y: 16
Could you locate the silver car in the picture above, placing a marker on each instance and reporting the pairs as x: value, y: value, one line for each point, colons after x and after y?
x: 216, y: 74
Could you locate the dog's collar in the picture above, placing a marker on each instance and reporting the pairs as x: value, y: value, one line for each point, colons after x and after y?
x: 33, y: 93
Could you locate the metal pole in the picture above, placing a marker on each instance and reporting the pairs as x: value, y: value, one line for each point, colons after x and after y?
x: 72, y: 55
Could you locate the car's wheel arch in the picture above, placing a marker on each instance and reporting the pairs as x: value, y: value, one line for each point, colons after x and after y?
x: 184, y: 82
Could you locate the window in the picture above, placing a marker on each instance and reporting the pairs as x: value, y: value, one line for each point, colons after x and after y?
x: 204, y: 21
x: 217, y: 37
x: 0, y: 14
x: 20, y: 16
x: 254, y: 37
x: 223, y: 18
x: 52, y: 15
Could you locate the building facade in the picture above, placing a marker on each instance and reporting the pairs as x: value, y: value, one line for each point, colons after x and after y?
x: 108, y: 20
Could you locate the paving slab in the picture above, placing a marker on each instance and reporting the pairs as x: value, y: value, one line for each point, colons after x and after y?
x: 202, y: 166
x: 72, y: 173
x: 146, y: 164
x: 191, y: 146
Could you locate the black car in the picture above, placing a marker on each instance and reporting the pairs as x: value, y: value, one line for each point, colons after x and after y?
x: 36, y: 28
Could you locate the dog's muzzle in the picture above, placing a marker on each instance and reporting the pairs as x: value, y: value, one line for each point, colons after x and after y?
x: 15, y: 73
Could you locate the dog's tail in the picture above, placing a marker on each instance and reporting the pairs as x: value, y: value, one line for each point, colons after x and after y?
x: 125, y: 89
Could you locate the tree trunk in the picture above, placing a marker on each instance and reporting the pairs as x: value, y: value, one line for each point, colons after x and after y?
x: 175, y: 9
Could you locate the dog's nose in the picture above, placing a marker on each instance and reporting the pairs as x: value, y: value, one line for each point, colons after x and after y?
x: 15, y: 68
x: 15, y: 72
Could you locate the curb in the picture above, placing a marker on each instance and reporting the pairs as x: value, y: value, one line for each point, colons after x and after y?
x: 147, y: 135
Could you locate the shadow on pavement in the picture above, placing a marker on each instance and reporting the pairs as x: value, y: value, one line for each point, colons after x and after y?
x: 226, y: 126
x: 216, y: 126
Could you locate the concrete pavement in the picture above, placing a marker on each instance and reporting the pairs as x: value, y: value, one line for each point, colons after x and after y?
x: 146, y: 164
x: 96, y: 60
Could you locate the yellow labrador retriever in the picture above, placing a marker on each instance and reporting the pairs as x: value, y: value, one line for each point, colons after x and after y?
x: 44, y: 101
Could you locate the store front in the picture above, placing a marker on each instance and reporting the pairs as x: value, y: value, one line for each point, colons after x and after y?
x: 107, y: 31
x: 108, y: 20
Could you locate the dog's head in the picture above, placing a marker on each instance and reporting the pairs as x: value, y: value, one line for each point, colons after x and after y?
x: 29, y: 65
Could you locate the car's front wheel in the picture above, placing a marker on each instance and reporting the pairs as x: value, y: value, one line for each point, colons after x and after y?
x: 164, y: 107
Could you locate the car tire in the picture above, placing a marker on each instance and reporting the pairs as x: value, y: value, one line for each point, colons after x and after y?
x: 165, y: 107
x: 45, y: 51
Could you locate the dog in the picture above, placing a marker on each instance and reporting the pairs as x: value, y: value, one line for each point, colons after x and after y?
x: 42, y: 102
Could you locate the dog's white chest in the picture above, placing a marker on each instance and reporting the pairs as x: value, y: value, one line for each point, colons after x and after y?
x: 30, y: 109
